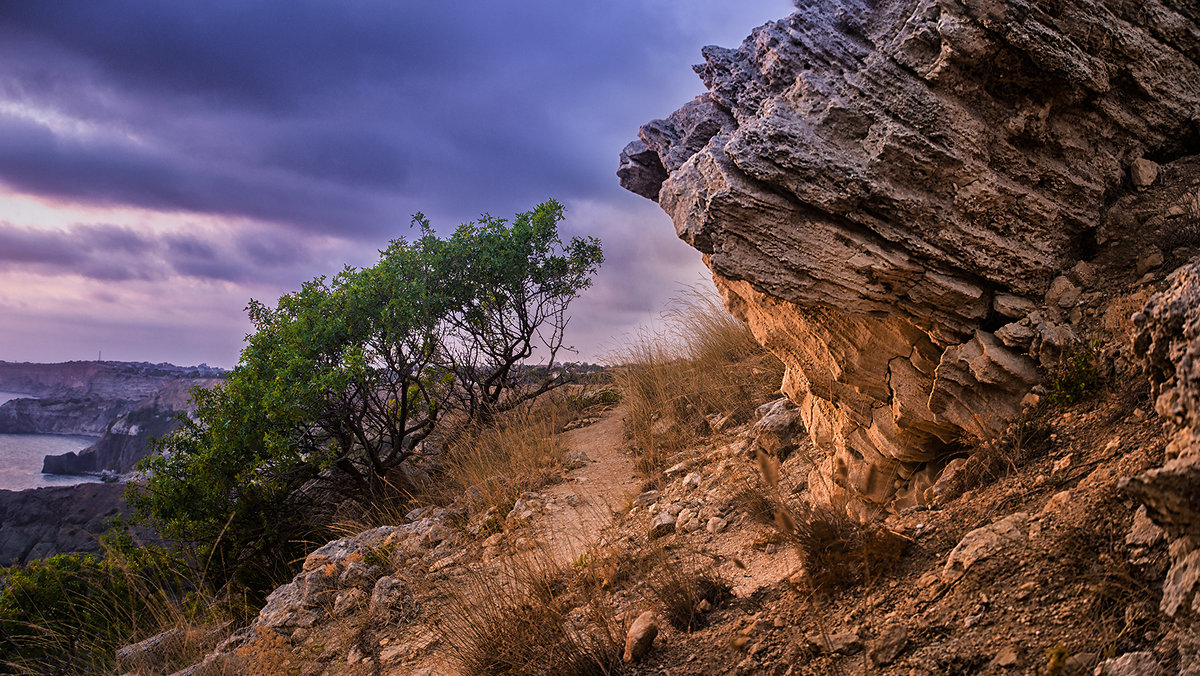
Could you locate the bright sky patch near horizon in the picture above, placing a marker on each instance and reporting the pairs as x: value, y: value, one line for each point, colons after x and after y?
x: 163, y: 163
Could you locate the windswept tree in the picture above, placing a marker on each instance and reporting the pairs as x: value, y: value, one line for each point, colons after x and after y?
x: 514, y: 282
x: 342, y: 380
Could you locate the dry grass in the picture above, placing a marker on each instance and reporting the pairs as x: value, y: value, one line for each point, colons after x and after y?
x: 836, y: 549
x: 687, y: 589
x: 523, y: 451
x: 56, y: 618
x: 703, y: 363
x: 481, y: 467
x: 532, y: 617
x: 1024, y: 440
x: 1119, y: 603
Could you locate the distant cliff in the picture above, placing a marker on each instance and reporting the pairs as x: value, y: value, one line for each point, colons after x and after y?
x: 126, y: 438
x: 130, y: 381
x: 124, y: 403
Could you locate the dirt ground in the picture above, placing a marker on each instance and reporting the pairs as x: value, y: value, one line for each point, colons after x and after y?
x: 1059, y: 588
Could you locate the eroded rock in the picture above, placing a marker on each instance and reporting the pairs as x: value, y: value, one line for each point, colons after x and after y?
x: 1169, y: 341
x: 873, y: 183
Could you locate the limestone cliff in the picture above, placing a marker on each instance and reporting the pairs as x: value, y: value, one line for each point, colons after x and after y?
x: 902, y: 197
x: 125, y: 404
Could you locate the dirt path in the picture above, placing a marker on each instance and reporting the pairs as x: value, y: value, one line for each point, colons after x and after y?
x: 577, y: 511
x: 603, y: 486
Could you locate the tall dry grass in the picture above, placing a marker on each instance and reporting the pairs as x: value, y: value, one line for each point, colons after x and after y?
x: 531, y: 616
x: 522, y: 451
x: 70, y: 613
x: 703, y: 362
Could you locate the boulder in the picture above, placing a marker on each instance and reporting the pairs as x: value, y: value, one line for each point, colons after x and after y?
x: 984, y: 542
x: 889, y: 644
x: 779, y: 429
x: 387, y: 594
x: 640, y: 636
x: 662, y: 524
x: 872, y: 193
x: 1130, y: 664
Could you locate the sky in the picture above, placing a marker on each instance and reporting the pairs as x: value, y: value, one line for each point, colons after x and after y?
x: 162, y: 163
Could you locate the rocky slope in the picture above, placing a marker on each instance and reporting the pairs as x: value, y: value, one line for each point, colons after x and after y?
x: 881, y: 188
x: 42, y: 522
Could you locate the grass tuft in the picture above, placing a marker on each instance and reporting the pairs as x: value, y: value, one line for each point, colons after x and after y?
x: 686, y: 590
x: 530, y: 620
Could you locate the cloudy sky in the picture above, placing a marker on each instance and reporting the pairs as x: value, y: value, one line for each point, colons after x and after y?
x: 161, y: 163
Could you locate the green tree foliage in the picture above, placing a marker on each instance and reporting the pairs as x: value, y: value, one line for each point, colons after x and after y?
x: 513, y: 284
x: 342, y: 380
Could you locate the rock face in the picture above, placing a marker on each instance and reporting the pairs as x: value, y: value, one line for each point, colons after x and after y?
x: 1169, y: 340
x: 42, y: 522
x: 110, y: 379
x: 879, y: 188
x: 126, y: 439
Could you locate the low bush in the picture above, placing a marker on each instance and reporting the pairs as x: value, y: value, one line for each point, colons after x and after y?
x: 69, y: 613
x: 1076, y: 376
x: 836, y: 549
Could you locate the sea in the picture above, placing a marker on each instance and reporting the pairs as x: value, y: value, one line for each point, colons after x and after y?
x: 21, y: 456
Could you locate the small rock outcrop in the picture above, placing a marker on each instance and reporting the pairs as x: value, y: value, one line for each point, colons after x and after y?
x: 899, y: 197
x: 1169, y: 341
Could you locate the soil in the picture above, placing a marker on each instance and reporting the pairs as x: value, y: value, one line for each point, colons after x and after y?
x: 1061, y: 592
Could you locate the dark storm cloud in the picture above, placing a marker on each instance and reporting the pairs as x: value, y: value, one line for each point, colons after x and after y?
x: 114, y: 253
x: 300, y: 135
x: 103, y: 171
x: 342, y: 118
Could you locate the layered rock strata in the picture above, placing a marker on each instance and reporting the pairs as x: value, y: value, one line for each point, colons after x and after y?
x: 896, y: 197
x: 126, y: 404
x: 1169, y: 341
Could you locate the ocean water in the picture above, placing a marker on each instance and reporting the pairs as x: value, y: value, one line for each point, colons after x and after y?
x: 21, y: 456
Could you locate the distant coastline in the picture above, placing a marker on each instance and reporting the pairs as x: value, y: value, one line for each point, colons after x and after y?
x: 62, y: 426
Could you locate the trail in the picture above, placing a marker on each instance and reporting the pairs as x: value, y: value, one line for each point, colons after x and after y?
x: 559, y: 535
x: 602, y: 487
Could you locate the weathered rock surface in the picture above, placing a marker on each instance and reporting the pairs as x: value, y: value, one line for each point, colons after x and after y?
x: 877, y: 187
x: 42, y: 522
x: 126, y: 438
x: 1169, y: 340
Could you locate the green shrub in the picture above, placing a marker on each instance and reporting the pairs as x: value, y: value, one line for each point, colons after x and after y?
x: 342, y: 380
x: 1076, y: 376
x: 68, y: 614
